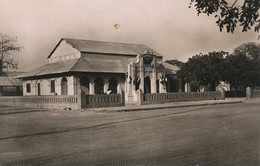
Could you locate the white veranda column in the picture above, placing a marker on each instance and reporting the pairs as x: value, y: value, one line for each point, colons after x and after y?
x: 91, y: 88
x: 70, y: 82
x: 106, y: 87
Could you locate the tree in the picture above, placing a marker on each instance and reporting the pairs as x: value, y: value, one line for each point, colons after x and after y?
x: 243, y: 66
x: 240, y: 71
x: 229, y: 15
x: 8, y: 47
x: 250, y: 49
x: 204, y: 69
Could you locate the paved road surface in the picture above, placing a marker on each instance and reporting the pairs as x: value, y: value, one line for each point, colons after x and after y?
x: 203, y: 135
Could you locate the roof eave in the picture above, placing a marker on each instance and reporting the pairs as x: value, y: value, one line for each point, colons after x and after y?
x: 69, y: 72
x: 104, y: 53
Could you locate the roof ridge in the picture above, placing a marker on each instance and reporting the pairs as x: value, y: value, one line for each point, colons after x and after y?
x: 103, y: 41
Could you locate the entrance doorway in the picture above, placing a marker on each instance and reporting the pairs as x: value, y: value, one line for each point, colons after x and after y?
x: 147, y: 85
x: 157, y: 86
x: 39, y: 89
x: 99, y: 85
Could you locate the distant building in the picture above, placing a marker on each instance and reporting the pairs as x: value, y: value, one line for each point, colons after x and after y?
x: 97, y: 67
x: 9, y: 85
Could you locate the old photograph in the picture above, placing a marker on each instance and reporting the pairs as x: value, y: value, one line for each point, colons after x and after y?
x: 129, y: 82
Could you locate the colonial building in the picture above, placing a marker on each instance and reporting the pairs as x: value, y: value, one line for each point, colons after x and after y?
x: 97, y: 67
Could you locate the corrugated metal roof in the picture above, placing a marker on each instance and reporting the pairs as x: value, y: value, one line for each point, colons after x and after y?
x: 106, y: 47
x: 88, y: 65
x: 170, y: 69
x: 126, y: 62
x: 51, y: 68
x: 9, y: 81
x: 77, y: 65
x: 98, y: 65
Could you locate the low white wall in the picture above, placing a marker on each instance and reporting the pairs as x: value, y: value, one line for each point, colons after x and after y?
x: 50, y: 102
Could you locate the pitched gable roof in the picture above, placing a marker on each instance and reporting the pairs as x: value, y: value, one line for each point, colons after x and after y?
x: 9, y: 81
x: 51, y: 68
x: 88, y: 65
x: 169, y: 68
x: 77, y: 65
x: 98, y: 65
x: 103, y: 47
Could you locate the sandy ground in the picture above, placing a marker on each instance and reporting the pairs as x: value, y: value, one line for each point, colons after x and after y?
x: 204, y: 135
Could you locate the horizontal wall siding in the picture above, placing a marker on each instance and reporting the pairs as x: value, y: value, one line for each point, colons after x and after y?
x: 52, y: 102
x: 151, y: 98
x: 104, y: 100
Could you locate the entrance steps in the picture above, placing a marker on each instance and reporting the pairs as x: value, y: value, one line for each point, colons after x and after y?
x: 131, y: 103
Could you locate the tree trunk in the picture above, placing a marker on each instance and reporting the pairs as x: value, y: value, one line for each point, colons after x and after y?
x: 1, y: 67
x: 235, y: 91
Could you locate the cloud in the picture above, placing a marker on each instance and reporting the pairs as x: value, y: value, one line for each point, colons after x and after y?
x: 169, y: 27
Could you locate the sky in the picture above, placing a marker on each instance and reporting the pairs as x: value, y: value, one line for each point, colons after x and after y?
x: 168, y: 26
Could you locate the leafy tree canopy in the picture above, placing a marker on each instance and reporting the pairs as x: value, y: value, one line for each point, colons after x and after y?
x: 243, y: 66
x: 8, y: 47
x: 250, y: 49
x: 203, y: 69
x: 229, y: 15
x: 240, y: 71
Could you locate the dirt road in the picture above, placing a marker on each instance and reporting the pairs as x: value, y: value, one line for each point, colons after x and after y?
x: 208, y: 135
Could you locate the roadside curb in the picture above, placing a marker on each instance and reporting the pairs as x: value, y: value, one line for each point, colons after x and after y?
x: 21, y: 112
x: 107, y: 110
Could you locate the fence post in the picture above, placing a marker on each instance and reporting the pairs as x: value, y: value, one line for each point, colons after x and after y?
x: 82, y: 100
x: 222, y: 93
x: 140, y: 97
x: 122, y: 95
x: 249, y: 93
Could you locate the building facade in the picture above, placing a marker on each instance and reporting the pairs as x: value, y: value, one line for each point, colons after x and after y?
x: 97, y: 67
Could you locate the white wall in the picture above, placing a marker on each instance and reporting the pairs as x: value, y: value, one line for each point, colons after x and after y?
x: 46, y: 86
x: 64, y: 52
x: 70, y: 85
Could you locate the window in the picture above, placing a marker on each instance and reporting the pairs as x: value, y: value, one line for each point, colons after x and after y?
x: 147, y: 59
x: 52, y: 86
x: 28, y: 88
